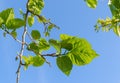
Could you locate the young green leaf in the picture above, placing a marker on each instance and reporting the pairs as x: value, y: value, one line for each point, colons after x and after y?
x: 65, y: 37
x: 66, y: 41
x: 56, y: 45
x: 64, y: 64
x: 43, y: 45
x: 114, y: 6
x: 33, y: 60
x: 47, y: 34
x: 35, y: 34
x: 34, y: 47
x: 15, y: 23
x: 1, y: 21
x: 27, y: 61
x: 51, y: 26
x: 117, y: 30
x: 66, y: 44
x: 14, y: 34
x: 7, y: 15
x: 35, y: 6
x: 91, y: 3
x: 81, y: 52
x: 37, y: 61
x: 30, y: 20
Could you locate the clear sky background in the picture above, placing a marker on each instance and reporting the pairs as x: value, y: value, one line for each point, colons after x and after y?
x: 74, y: 18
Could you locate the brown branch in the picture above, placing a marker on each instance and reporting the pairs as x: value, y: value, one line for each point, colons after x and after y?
x: 51, y: 55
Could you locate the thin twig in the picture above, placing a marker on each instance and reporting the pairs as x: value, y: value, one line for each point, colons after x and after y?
x: 51, y: 55
x: 12, y: 36
x: 30, y: 37
x: 23, y: 45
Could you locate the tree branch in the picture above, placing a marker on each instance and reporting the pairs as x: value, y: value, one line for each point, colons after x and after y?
x: 51, y: 55
x: 12, y: 36
x: 23, y: 44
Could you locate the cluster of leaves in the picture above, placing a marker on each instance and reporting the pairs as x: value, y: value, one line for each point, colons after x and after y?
x: 70, y: 50
x: 111, y: 23
x: 9, y: 23
x: 108, y: 24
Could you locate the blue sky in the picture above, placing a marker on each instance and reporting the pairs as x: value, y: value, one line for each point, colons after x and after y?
x: 74, y: 18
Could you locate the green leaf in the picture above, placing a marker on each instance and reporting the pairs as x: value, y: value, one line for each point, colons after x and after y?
x: 1, y: 21
x: 47, y: 34
x: 114, y: 6
x: 64, y: 64
x: 32, y: 60
x: 27, y: 61
x: 117, y: 30
x: 56, y: 45
x: 35, y: 6
x: 65, y: 37
x: 7, y: 15
x: 91, y: 3
x: 15, y: 23
x: 30, y: 20
x: 35, y: 34
x: 14, y: 34
x: 50, y: 27
x: 81, y: 52
x: 37, y: 61
x: 34, y: 47
x: 66, y: 43
x: 43, y: 45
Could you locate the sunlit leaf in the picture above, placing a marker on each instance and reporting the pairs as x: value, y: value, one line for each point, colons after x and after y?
x: 15, y: 23
x: 27, y: 60
x: 50, y: 27
x: 91, y: 3
x: 14, y: 34
x: 43, y: 45
x: 81, y: 52
x: 35, y: 34
x: 56, y: 45
x: 47, y: 34
x: 34, y: 47
x: 7, y: 15
x: 37, y: 61
x: 66, y: 43
x: 1, y: 21
x: 117, y: 30
x: 35, y: 6
x: 115, y: 7
x: 30, y: 20
x: 64, y: 64
x: 65, y: 37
